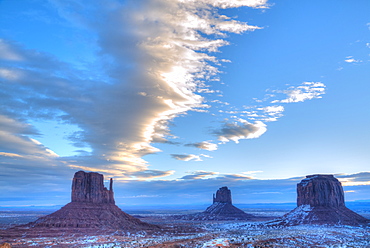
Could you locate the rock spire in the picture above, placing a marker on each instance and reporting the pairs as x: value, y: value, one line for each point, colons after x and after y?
x: 92, y: 207
x: 221, y: 209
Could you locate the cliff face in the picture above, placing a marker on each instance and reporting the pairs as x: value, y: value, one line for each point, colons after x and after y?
x: 320, y: 191
x: 92, y: 208
x: 223, y: 195
x: 320, y: 200
x: 89, y: 187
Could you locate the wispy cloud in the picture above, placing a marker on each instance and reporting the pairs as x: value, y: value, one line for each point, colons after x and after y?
x: 270, y: 113
x: 361, y: 178
x: 150, y: 174
x: 249, y: 122
x: 198, y: 175
x: 350, y: 59
x: 205, y: 145
x: 306, y: 91
x: 151, y: 71
x: 237, y: 131
x: 16, y: 143
x: 189, y: 157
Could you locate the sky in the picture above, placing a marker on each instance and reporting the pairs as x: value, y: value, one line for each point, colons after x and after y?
x: 177, y: 98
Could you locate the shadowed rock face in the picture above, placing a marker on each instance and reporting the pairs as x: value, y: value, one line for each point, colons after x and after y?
x: 320, y: 200
x: 89, y: 187
x: 92, y: 207
x: 223, y: 195
x: 320, y: 191
x: 221, y: 209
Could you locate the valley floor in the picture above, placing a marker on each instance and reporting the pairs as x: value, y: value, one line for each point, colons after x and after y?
x: 181, y: 233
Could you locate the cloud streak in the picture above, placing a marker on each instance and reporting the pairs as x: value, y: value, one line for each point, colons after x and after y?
x: 205, y: 145
x: 199, y: 175
x: 155, y: 69
x: 235, y: 132
x: 189, y: 157
x: 350, y: 59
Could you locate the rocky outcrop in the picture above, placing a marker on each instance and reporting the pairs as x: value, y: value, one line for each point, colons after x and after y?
x: 92, y: 207
x: 89, y: 188
x: 221, y: 209
x: 320, y: 191
x: 320, y: 200
x: 223, y: 195
x: 90, y: 216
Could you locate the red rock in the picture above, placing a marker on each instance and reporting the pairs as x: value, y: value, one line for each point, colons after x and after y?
x: 223, y: 195
x: 320, y: 191
x: 320, y: 200
x: 89, y: 187
x: 92, y: 207
x: 221, y: 209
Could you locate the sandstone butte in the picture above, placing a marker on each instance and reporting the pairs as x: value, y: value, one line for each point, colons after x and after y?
x: 221, y: 209
x: 92, y: 207
x: 320, y: 200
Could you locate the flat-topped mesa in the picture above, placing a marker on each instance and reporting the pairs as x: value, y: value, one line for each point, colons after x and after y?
x: 320, y: 191
x: 320, y: 200
x: 89, y: 188
x: 223, y: 195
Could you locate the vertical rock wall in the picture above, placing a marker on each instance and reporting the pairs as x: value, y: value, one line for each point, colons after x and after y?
x: 92, y: 210
x: 223, y: 195
x: 320, y: 201
x: 89, y: 188
x: 320, y: 191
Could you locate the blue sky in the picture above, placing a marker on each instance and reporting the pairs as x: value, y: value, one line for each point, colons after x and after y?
x: 174, y: 99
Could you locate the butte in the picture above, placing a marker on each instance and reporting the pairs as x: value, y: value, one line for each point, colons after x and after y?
x: 92, y: 210
x: 320, y: 201
x: 221, y: 209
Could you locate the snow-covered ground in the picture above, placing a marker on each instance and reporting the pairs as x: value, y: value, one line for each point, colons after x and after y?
x: 224, y: 234
x: 205, y: 234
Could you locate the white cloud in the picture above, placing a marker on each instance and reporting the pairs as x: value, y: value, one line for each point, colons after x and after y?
x: 152, y: 71
x: 270, y: 113
x: 235, y: 132
x: 273, y: 109
x: 242, y: 127
x: 350, y: 59
x: 306, y: 91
